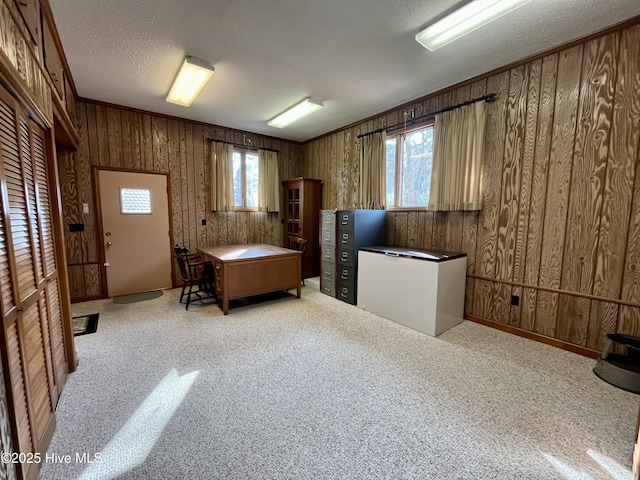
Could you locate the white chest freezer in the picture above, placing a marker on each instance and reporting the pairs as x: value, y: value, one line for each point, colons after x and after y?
x: 421, y: 289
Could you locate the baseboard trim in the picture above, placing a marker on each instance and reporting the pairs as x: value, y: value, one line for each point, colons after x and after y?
x: 86, y: 299
x: 554, y: 342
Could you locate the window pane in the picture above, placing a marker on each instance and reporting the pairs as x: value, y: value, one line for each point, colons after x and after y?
x: 391, y: 171
x: 251, y: 162
x: 135, y: 200
x: 417, y: 159
x: 237, y: 179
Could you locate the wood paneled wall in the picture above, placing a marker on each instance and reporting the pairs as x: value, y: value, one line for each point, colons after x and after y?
x: 123, y: 138
x: 561, y: 192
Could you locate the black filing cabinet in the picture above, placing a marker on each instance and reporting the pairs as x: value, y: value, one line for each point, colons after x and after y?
x: 355, y: 229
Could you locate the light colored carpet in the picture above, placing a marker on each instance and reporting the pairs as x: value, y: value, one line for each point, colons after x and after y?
x: 318, y: 389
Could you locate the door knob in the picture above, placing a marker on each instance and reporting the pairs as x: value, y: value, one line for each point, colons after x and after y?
x: 108, y: 244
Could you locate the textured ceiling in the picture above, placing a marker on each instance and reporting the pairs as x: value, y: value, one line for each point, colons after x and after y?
x: 357, y: 56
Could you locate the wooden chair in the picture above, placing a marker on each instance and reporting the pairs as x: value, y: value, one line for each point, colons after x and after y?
x: 300, y: 244
x: 197, y: 275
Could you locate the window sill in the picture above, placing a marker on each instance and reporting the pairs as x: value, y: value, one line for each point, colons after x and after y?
x: 407, y: 209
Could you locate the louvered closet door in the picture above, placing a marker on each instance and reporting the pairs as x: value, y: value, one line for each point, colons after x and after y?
x: 50, y: 294
x: 32, y: 334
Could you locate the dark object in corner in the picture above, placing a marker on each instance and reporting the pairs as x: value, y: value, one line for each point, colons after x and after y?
x: 620, y: 370
x: 85, y: 324
x: 76, y: 227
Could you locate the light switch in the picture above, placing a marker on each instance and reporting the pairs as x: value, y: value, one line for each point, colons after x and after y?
x: 85, y: 208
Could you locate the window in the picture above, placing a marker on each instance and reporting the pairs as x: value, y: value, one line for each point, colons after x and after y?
x: 245, y: 180
x: 409, y: 162
x: 135, y: 200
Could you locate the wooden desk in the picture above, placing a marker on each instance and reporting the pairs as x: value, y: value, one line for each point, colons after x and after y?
x: 246, y: 270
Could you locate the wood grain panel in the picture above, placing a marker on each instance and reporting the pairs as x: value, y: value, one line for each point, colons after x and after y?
x: 135, y: 156
x: 101, y: 157
x: 587, y: 183
x: 83, y: 179
x: 440, y: 230
x: 92, y: 280
x: 200, y: 183
x: 401, y: 229
x: 539, y: 182
x: 114, y: 138
x: 469, y: 237
x: 126, y: 140
x: 69, y: 191
x: 618, y: 188
x: 629, y: 321
x: 77, y: 281
x: 555, y: 219
x: 412, y: 229
x: 341, y: 139
x: 510, y: 191
x: 453, y: 234
x: 146, y: 142
x: 528, y: 156
x: 391, y: 228
x: 426, y: 225
x: 491, y: 180
x: 173, y: 163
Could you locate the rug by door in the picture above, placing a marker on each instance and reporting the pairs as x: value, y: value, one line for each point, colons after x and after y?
x: 85, y: 324
x: 137, y: 297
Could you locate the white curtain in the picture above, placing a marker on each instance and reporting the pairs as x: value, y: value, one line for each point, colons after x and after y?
x: 456, y: 178
x: 373, y: 163
x: 221, y: 160
x: 268, y: 181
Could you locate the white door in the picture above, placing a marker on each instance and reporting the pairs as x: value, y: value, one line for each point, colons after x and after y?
x: 135, y: 225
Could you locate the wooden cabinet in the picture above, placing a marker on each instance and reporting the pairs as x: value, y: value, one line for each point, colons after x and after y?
x: 52, y: 61
x: 32, y: 340
x: 302, y: 203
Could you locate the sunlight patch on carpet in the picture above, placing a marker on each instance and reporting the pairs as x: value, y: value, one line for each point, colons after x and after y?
x: 135, y: 440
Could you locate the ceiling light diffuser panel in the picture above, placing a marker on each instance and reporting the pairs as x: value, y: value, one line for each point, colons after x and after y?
x: 464, y: 20
x: 192, y: 76
x: 295, y: 113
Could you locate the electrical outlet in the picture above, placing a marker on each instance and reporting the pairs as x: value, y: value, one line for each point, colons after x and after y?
x: 515, y: 300
x: 204, y: 222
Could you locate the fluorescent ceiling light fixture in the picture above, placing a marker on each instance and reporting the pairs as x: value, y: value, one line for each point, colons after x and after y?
x: 464, y: 20
x: 295, y: 113
x: 192, y: 76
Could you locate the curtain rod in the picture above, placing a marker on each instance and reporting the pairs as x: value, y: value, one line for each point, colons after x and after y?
x: 489, y: 98
x: 241, y: 145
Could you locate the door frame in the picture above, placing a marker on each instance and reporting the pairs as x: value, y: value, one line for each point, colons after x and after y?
x: 100, y: 230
